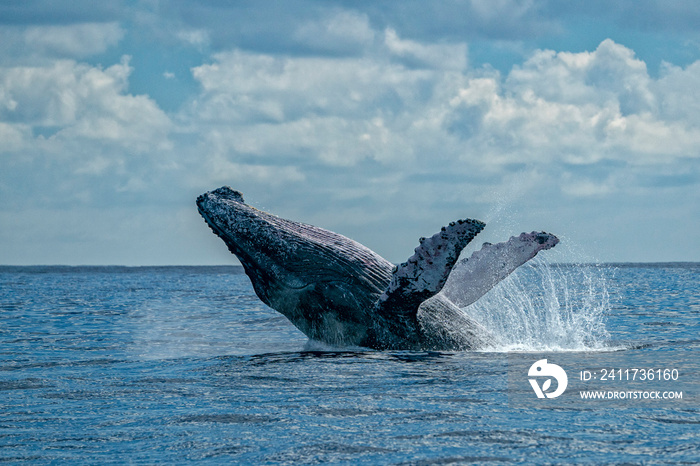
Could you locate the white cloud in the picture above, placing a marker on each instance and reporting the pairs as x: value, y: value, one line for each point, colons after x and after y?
x: 82, y: 102
x: 678, y: 96
x: 78, y: 40
x: 422, y: 138
x: 196, y: 37
x: 437, y: 56
x: 582, y: 187
x: 610, y: 73
x: 262, y: 116
x: 576, y: 108
x: 342, y: 32
x: 74, y: 134
x: 337, y: 111
x: 13, y: 137
x: 45, y: 43
x: 222, y: 170
x: 351, y: 123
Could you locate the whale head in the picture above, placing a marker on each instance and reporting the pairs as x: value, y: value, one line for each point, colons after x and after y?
x: 320, y: 280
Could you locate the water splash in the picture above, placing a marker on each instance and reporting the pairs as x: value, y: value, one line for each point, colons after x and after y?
x: 543, y: 307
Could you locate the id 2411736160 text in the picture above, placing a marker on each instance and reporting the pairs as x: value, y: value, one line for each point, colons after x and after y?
x: 631, y: 374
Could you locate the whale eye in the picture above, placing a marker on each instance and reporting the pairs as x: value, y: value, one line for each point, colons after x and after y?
x: 539, y: 368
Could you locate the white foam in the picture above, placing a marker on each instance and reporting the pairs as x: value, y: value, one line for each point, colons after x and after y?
x: 543, y: 307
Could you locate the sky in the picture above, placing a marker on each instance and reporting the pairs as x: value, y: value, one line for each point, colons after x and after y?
x: 379, y: 120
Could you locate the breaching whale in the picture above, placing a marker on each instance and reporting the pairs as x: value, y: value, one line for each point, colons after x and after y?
x: 337, y: 291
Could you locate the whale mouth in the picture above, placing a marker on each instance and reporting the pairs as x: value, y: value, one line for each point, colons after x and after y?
x: 205, y: 212
x: 213, y: 201
x: 216, y: 207
x: 209, y: 221
x: 242, y: 228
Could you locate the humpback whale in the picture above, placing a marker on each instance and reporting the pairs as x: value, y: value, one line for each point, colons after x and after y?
x: 337, y: 291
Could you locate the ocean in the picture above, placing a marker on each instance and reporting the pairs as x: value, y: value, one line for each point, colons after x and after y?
x: 185, y: 364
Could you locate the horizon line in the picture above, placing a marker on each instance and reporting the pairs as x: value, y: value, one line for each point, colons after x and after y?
x: 611, y: 263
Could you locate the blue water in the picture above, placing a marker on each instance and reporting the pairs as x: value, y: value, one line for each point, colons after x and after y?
x: 174, y: 364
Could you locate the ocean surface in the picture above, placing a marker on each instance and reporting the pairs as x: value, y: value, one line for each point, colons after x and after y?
x: 182, y: 364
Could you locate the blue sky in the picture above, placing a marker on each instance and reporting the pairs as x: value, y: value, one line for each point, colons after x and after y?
x: 379, y: 120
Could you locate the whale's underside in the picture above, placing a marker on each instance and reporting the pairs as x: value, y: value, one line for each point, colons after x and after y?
x: 339, y: 292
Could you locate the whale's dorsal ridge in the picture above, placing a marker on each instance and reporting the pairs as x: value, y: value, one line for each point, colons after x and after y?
x: 424, y: 273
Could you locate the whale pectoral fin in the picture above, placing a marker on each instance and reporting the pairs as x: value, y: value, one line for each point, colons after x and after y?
x: 445, y: 327
x: 471, y: 278
x: 426, y: 271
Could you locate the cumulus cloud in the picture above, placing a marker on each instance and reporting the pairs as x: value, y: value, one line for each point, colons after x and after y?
x: 343, y: 32
x: 351, y: 119
x: 196, y: 37
x: 334, y: 110
x: 81, y: 101
x: 573, y: 108
x: 419, y: 138
x: 74, y: 133
x: 436, y: 56
x: 79, y: 40
x: 48, y: 42
x: 13, y: 137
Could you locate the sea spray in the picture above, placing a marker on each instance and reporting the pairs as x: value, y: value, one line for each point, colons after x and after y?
x: 545, y: 307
